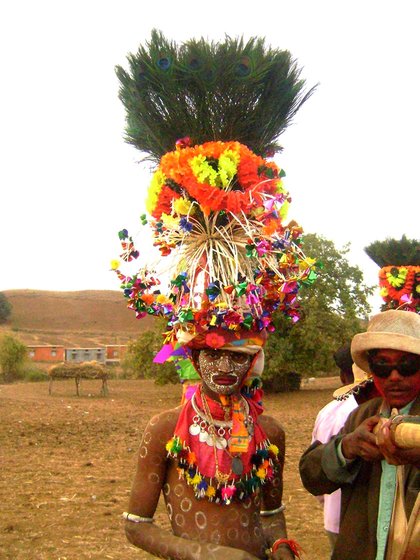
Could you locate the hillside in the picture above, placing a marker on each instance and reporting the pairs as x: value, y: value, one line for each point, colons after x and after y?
x: 85, y: 318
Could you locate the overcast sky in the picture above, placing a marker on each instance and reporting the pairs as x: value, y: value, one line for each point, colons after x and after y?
x: 69, y: 182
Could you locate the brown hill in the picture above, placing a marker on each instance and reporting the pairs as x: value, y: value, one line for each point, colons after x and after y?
x: 85, y: 318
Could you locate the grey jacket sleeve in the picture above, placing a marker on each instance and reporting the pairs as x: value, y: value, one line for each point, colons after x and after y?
x: 321, y: 470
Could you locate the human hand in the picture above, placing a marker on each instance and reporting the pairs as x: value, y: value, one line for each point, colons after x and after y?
x: 393, y: 454
x: 362, y: 442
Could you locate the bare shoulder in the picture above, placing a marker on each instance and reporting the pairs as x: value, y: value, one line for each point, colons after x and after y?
x: 273, y: 430
x: 164, y: 422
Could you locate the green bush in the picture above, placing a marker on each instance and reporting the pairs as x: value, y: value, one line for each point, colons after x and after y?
x: 138, y: 360
x: 34, y: 374
x: 12, y: 357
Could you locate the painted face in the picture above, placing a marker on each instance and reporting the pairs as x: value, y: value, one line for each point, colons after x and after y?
x: 398, y: 390
x: 223, y: 371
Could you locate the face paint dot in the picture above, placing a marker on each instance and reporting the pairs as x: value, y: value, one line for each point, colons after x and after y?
x: 246, y: 537
x: 244, y: 521
x: 215, y: 536
x: 170, y: 510
x: 179, y: 490
x: 166, y: 489
x: 246, y: 504
x: 143, y: 452
x: 257, y: 532
x: 153, y: 478
x: 147, y: 437
x: 232, y: 534
x: 274, y: 493
x: 200, y: 520
x: 186, y: 505
x: 234, y: 515
x: 276, y: 482
x: 179, y: 520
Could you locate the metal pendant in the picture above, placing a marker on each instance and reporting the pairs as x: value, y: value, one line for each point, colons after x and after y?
x: 237, y: 466
x: 221, y: 443
x: 203, y: 437
x: 211, y: 440
x: 194, y: 429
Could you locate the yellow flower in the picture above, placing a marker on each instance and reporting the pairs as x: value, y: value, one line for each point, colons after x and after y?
x: 169, y: 445
x: 183, y: 206
x: 261, y: 473
x: 273, y: 448
x: 280, y: 187
x: 196, y: 480
x: 284, y: 210
x: 228, y: 166
x: 210, y: 492
x: 161, y: 298
x: 170, y: 221
x: 115, y: 263
x: 203, y: 171
x: 156, y: 184
x: 383, y: 292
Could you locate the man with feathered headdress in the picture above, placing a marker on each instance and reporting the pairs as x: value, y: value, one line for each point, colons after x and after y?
x: 209, y: 114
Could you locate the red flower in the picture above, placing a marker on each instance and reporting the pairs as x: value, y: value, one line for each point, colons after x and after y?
x: 214, y: 340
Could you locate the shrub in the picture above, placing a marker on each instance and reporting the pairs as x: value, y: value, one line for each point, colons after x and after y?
x: 12, y: 357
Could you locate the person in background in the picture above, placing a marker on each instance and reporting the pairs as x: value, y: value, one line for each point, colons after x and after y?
x: 357, y: 388
x: 379, y: 480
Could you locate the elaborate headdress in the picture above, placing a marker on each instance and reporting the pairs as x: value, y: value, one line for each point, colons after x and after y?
x: 209, y: 114
x: 399, y: 275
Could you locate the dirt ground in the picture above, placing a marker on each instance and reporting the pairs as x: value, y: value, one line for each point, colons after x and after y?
x: 67, y: 463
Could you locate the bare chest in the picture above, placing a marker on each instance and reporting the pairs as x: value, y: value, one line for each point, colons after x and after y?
x: 237, y: 525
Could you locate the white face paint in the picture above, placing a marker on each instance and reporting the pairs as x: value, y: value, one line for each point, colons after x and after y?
x: 223, y: 371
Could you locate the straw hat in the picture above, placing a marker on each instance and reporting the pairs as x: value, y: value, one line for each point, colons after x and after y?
x: 397, y: 330
x: 361, y: 378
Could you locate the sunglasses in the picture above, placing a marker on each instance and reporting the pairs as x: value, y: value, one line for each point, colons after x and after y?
x: 405, y: 368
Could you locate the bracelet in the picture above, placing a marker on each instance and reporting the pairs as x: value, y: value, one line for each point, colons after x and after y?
x: 293, y: 545
x: 269, y: 512
x: 136, y: 518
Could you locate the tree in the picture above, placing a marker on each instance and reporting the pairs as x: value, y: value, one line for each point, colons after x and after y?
x: 138, y: 360
x: 12, y: 357
x: 5, y: 308
x: 333, y: 309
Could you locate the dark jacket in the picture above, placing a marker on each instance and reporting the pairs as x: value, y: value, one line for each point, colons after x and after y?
x: 359, y: 486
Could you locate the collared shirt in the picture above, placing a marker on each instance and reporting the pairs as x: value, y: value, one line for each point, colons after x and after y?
x: 328, y: 423
x: 386, y: 496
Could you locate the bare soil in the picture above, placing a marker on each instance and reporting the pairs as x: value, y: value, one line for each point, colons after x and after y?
x: 67, y: 464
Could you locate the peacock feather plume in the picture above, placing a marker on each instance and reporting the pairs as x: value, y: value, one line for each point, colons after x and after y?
x: 230, y: 90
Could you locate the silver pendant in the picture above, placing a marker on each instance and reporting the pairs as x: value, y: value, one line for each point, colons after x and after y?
x: 203, y: 437
x: 194, y: 429
x: 237, y: 466
x: 211, y: 440
x: 221, y: 443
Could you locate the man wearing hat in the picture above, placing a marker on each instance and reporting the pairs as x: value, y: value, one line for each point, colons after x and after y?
x: 357, y: 387
x: 379, y: 479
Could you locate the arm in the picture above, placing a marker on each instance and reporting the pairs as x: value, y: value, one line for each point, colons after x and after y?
x: 272, y: 510
x: 148, y: 483
x: 326, y: 467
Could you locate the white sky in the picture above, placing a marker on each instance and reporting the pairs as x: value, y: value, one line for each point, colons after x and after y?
x: 69, y: 182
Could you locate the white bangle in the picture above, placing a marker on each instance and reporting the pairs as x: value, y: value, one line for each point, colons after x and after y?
x: 136, y: 518
x: 269, y: 512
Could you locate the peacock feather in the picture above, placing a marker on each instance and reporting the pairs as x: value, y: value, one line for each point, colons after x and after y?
x: 395, y: 252
x: 230, y: 90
